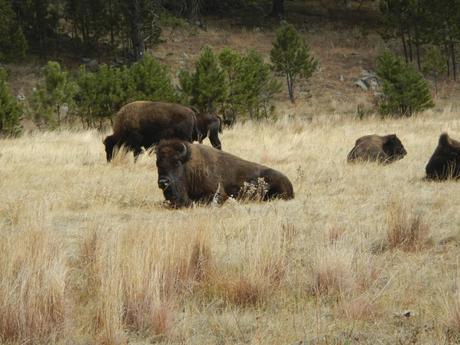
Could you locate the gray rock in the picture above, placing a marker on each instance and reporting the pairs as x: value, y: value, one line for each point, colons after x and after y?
x: 361, y: 84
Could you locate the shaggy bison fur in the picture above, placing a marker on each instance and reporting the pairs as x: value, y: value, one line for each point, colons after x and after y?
x: 382, y: 149
x: 193, y: 172
x: 445, y: 161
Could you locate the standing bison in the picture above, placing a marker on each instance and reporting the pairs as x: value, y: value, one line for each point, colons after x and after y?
x: 382, y: 149
x: 445, y: 161
x: 209, y: 125
x: 143, y: 124
x: 192, y: 172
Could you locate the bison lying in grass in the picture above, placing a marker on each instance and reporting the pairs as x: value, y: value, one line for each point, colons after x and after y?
x: 382, y: 149
x: 192, y: 172
x: 143, y: 124
x: 445, y: 161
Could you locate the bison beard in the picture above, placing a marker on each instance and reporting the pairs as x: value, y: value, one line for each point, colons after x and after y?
x: 192, y: 172
x: 383, y: 149
x: 445, y: 161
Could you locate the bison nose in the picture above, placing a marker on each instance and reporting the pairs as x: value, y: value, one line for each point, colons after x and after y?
x: 163, y: 182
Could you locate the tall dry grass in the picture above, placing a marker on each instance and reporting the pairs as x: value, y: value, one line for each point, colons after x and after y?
x: 89, y: 253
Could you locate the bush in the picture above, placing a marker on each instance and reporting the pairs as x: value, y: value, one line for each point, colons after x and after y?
x: 101, y: 94
x: 239, y: 85
x: 10, y: 110
x: 434, y: 64
x: 405, y: 91
x: 207, y: 86
x: 290, y: 56
x: 150, y: 81
x: 250, y: 84
x: 53, y: 93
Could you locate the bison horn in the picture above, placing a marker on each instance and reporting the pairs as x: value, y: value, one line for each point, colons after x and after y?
x: 183, y: 151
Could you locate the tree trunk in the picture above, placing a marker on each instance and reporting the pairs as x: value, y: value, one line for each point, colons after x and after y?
x: 454, y: 62
x: 446, y: 50
x: 290, y: 84
x: 136, y: 32
x: 417, y: 52
x: 403, y: 39
x: 277, y: 9
x: 410, y: 49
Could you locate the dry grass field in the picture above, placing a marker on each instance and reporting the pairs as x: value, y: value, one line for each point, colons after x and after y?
x: 364, y: 254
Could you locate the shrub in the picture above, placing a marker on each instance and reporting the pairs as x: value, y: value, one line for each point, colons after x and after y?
x: 290, y: 56
x: 53, y: 93
x: 101, y: 93
x: 405, y: 91
x: 207, y: 86
x: 10, y: 110
x: 250, y: 84
x: 149, y: 80
x: 238, y: 84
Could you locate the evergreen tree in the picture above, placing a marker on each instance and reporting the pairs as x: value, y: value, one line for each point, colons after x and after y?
x: 434, y: 64
x: 290, y: 56
x: 405, y: 91
x: 53, y: 93
x: 207, y: 86
x: 149, y: 80
x: 10, y: 110
x: 13, y: 44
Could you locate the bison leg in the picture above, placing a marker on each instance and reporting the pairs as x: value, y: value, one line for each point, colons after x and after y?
x: 214, y: 138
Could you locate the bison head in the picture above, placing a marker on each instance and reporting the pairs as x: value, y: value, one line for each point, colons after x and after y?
x: 171, y: 158
x: 109, y: 143
x: 393, y: 148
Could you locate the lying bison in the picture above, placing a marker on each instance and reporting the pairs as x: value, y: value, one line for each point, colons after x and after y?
x: 445, y: 161
x: 382, y: 149
x: 143, y: 124
x: 192, y: 172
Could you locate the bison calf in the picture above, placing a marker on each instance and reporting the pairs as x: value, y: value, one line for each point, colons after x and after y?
x: 382, y: 149
x: 192, y: 172
x: 445, y: 161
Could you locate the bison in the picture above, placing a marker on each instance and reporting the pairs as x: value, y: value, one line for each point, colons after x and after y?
x: 209, y: 125
x: 193, y: 172
x: 143, y: 124
x: 382, y: 149
x: 445, y: 161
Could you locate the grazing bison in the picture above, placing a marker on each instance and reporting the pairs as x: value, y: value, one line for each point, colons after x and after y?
x: 382, y: 149
x: 143, y: 124
x: 193, y: 172
x: 445, y: 161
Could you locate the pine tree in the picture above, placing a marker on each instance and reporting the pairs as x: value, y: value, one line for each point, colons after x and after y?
x: 207, y: 86
x: 290, y: 56
x: 53, y: 93
x: 10, y: 110
x: 434, y: 64
x: 405, y: 91
x: 13, y: 44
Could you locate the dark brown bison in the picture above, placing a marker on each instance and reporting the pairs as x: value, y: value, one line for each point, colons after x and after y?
x: 143, y: 124
x: 193, y: 172
x: 209, y: 125
x: 445, y: 161
x: 383, y: 149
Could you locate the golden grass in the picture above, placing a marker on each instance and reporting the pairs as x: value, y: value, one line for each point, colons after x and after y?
x: 90, y: 254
